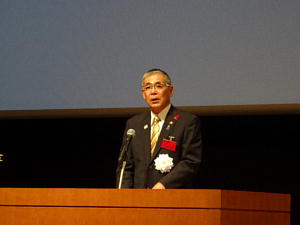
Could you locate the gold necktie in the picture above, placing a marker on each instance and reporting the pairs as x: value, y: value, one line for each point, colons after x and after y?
x: 155, y: 133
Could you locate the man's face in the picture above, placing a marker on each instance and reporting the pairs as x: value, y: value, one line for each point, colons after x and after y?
x: 156, y: 93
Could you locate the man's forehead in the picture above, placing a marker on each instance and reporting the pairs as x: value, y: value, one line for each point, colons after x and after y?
x: 157, y: 82
x: 154, y: 78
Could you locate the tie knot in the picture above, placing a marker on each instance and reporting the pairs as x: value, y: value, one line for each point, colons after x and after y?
x: 156, y: 120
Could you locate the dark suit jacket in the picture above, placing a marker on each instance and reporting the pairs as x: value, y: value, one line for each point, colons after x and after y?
x: 140, y: 171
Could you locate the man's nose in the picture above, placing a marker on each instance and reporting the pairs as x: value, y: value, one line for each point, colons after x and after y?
x: 153, y: 91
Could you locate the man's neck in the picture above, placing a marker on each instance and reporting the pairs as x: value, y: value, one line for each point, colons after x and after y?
x: 163, y: 113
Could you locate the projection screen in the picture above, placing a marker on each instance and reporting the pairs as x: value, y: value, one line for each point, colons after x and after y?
x: 86, y: 54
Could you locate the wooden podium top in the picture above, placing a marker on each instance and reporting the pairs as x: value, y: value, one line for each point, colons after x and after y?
x: 170, y: 198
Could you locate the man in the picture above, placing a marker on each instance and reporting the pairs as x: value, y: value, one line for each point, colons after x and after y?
x: 166, y: 149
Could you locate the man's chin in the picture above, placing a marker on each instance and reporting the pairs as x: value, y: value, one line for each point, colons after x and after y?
x: 156, y: 108
x: 154, y: 104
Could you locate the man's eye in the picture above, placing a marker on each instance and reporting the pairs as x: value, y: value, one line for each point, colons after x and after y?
x: 147, y: 87
x: 159, y: 86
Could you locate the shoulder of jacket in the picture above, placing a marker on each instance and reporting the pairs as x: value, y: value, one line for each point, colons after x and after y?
x: 186, y: 115
x: 138, y: 117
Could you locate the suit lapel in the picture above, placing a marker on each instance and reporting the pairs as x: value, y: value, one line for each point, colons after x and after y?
x: 146, y: 136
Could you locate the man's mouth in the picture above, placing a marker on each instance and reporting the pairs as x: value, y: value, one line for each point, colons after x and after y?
x: 155, y: 100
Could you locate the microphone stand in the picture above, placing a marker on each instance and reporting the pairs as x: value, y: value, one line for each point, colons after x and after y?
x: 121, y: 174
x: 122, y: 159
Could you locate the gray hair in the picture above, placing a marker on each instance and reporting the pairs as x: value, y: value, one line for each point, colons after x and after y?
x: 160, y: 71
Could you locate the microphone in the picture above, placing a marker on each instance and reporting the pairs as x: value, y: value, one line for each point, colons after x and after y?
x: 130, y: 134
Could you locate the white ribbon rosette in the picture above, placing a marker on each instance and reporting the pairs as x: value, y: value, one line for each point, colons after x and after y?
x: 163, y: 163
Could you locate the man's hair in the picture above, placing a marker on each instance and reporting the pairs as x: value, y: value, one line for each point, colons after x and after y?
x: 160, y: 71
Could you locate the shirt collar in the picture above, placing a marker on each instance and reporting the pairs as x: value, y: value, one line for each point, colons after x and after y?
x: 162, y: 115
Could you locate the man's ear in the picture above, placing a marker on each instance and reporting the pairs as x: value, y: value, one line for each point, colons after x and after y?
x: 144, y: 95
x: 171, y: 91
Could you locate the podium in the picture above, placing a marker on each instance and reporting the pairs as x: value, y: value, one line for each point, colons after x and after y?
x: 74, y: 206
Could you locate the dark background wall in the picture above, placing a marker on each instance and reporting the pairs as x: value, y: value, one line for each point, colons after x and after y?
x: 255, y: 153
